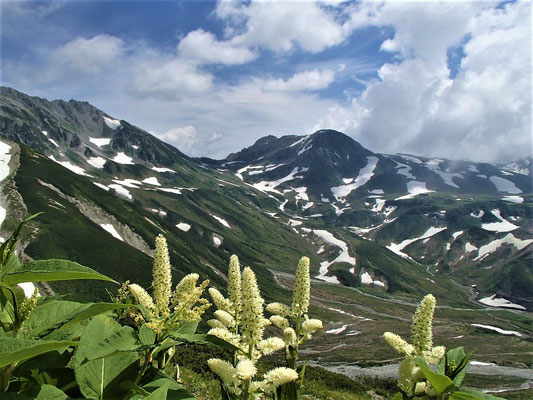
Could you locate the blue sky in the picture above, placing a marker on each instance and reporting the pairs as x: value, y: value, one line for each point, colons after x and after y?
x: 445, y: 79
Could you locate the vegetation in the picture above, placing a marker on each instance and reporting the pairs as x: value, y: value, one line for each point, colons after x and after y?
x: 133, y: 347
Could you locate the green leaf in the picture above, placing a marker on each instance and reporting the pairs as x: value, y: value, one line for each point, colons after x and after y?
x: 102, y: 377
x: 398, y: 396
x: 471, y: 394
x: 146, y: 335
x: 187, y: 327
x: 124, y: 340
x: 49, y: 392
x: 206, y: 339
x: 53, y: 270
x: 441, y: 383
x: 14, y: 350
x: 174, y: 390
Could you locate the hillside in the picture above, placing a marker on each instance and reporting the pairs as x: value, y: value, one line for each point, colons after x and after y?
x: 377, y: 241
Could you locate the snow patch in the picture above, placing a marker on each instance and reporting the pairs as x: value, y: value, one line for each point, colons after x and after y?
x: 100, y: 141
x: 111, y: 229
x: 101, y: 186
x: 131, y: 183
x: 499, y: 330
x: 365, y: 174
x: 502, y: 226
x: 74, y: 168
x: 479, y: 214
x: 221, y: 220
x: 5, y: 157
x: 122, y: 158
x: 494, y: 245
x: 470, y: 247
x: 337, y: 330
x: 152, y: 181
x: 53, y: 142
x: 457, y: 234
x: 121, y: 191
x: 513, y: 199
x: 404, y: 170
x: 217, y: 241
x: 112, y: 123
x: 97, y: 162
x: 504, y: 185
x: 183, y: 226
x: 415, y: 188
x: 344, y: 255
x: 447, y: 177
x: 493, y: 301
x: 270, y: 186
x: 171, y: 190
x: 397, y: 248
x: 158, y: 169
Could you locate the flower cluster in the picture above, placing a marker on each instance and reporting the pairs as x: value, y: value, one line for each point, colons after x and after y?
x: 293, y: 320
x: 411, y: 380
x: 239, y: 321
x: 167, y: 308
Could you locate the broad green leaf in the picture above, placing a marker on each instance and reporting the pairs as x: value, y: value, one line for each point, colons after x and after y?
x: 101, y: 377
x: 471, y: 394
x: 123, y: 340
x: 187, y: 327
x: 53, y: 270
x: 14, y: 350
x: 49, y: 392
x: 158, y: 394
x: 146, y: 335
x: 441, y: 383
x: 92, y: 311
x: 175, y: 390
x: 50, y: 315
x: 11, y: 264
x: 398, y: 396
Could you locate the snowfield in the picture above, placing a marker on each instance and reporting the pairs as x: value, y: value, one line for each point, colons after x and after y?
x: 397, y: 248
x: 111, y: 123
x: 504, y: 185
x: 502, y: 226
x: 111, y: 229
x: 495, y: 244
x: 5, y: 157
x: 415, y: 188
x: 158, y: 169
x: 100, y: 141
x: 183, y: 226
x: 365, y: 174
x: 68, y: 165
x: 152, y: 181
x: 493, y: 301
x: 122, y: 158
x: 97, y: 162
x: 221, y: 220
x: 499, y: 330
x: 513, y: 199
x: 344, y: 255
x: 121, y: 191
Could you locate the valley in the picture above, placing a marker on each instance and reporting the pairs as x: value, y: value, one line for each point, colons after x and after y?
x: 381, y: 230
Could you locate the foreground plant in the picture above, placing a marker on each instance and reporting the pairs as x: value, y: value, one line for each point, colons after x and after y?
x: 38, y: 334
x: 240, y: 322
x: 429, y: 372
x: 296, y: 325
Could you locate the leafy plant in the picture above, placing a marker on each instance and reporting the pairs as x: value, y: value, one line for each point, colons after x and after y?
x: 429, y: 372
x: 31, y: 327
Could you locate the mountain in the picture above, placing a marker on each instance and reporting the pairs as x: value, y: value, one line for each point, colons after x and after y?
x: 464, y: 219
x: 381, y: 230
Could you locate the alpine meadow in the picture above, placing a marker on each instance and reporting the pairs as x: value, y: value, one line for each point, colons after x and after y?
x: 266, y: 200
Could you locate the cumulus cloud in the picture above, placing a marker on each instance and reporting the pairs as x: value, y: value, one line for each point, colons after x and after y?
x: 306, y: 80
x: 89, y: 56
x: 182, y: 137
x: 203, y: 46
x: 281, y: 25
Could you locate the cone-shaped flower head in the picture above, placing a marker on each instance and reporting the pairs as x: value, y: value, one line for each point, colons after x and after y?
x: 186, y: 296
x: 219, y: 300
x: 277, y: 377
x: 421, y: 328
x: 234, y: 286
x: 270, y: 345
x: 142, y: 297
x: 300, y: 300
x: 280, y: 309
x: 252, y: 309
x: 225, y: 371
x: 245, y: 369
x: 162, y: 278
x: 398, y: 344
x: 312, y: 325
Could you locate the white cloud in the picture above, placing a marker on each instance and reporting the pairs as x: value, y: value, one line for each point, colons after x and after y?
x: 281, y: 25
x: 203, y: 46
x: 89, y: 56
x: 182, y: 137
x: 306, y: 80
